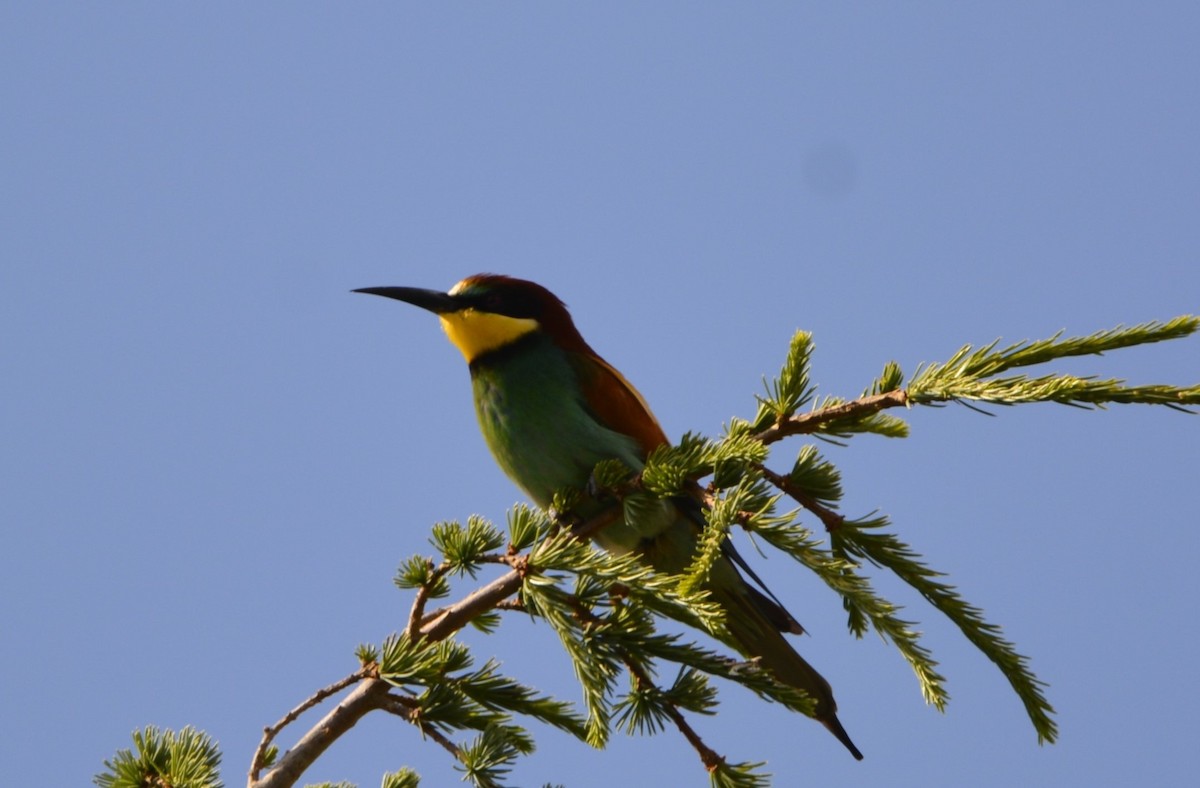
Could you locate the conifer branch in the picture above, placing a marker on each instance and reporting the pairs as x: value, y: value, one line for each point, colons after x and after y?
x: 370, y: 694
x: 987, y: 361
x: 972, y: 373
x: 417, y: 613
x: 543, y: 551
x: 862, y: 602
x: 259, y: 759
x: 820, y: 420
x: 863, y: 540
x: 447, y: 620
x: 689, y: 689
x: 708, y: 756
x: 750, y: 674
x: 164, y: 757
x: 886, y: 550
x: 830, y: 518
x: 409, y: 710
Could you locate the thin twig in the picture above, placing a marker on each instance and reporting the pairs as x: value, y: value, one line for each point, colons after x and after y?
x: 813, y: 421
x: 417, y: 612
x: 708, y: 756
x: 269, y: 733
x: 443, y: 622
x: 831, y: 519
x: 597, y: 523
x: 408, y: 709
x: 370, y: 694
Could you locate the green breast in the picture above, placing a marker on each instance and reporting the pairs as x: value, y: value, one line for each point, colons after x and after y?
x: 536, y: 423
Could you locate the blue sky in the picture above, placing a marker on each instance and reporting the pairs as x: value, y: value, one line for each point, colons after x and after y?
x: 214, y: 456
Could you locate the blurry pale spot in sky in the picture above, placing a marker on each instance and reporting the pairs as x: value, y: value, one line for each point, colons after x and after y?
x: 830, y: 170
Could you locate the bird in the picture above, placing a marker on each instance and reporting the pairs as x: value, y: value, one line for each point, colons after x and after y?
x: 550, y: 408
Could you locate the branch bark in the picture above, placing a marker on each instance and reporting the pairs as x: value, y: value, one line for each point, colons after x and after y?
x: 269, y: 734
x: 813, y: 421
x: 372, y: 693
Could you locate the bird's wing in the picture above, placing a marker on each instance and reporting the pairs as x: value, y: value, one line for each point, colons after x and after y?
x: 616, y: 403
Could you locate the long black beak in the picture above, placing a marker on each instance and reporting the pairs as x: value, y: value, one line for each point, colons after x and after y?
x: 436, y: 302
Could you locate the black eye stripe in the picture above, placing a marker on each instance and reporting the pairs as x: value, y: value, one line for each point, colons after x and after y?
x: 512, y: 304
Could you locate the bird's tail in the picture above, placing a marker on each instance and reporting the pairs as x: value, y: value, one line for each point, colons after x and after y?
x: 756, y: 637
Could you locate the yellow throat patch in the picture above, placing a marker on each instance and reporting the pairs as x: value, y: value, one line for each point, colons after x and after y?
x: 475, y: 333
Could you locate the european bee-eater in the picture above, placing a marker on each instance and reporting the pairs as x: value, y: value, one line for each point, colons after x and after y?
x: 551, y: 409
